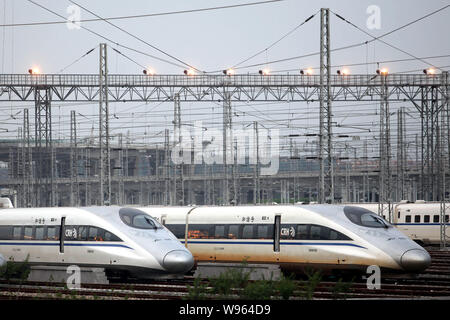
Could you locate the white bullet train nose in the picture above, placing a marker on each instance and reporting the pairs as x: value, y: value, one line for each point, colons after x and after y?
x: 178, y: 261
x: 415, y: 260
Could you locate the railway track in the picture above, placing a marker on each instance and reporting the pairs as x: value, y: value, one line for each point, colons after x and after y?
x: 431, y: 284
x: 176, y: 290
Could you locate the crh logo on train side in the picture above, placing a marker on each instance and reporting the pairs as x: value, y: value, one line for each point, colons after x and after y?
x: 243, y: 146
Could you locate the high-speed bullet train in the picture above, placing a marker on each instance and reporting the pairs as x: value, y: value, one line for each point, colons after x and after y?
x: 121, y: 240
x: 328, y: 237
x: 420, y: 221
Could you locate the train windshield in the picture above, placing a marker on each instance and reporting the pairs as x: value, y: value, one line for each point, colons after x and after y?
x: 138, y: 219
x: 365, y: 218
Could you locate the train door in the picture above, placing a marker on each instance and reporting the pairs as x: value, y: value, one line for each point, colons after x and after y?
x: 276, y: 233
x: 276, y: 237
x: 62, y: 234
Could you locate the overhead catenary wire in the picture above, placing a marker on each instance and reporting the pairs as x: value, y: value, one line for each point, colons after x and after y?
x: 108, y: 39
x: 77, y: 60
x: 382, y: 41
x: 276, y: 42
x: 26, y: 24
x: 136, y: 37
x: 355, y: 45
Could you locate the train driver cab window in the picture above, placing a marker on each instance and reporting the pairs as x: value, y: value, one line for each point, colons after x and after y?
x: 417, y: 218
x: 407, y: 218
x: 138, y: 219
x: 426, y: 218
x: 365, y: 218
x: 436, y: 218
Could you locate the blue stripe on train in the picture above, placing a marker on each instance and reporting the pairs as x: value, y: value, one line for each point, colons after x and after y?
x: 419, y: 224
x: 65, y: 244
x: 206, y: 241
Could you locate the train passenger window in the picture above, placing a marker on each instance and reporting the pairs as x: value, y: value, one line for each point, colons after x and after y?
x: 446, y: 218
x: 417, y: 218
x: 92, y: 235
x: 247, y: 232
x: 83, y: 233
x: 426, y: 218
x: 111, y: 236
x: 39, y: 233
x: 263, y: 232
x: 219, y: 232
x: 399, y: 215
x: 407, y: 218
x: 334, y: 235
x: 5, y: 233
x: 200, y: 231
x: 233, y: 231
x: 95, y: 234
x: 17, y: 233
x: 53, y: 233
x: 302, y: 231
x: 315, y: 232
x: 177, y: 229
x: 28, y: 233
x: 436, y: 218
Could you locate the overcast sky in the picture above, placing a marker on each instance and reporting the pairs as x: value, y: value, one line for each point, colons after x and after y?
x: 212, y: 41
x: 217, y: 39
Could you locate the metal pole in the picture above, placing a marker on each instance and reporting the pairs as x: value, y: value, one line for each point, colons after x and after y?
x: 385, y: 206
x: 105, y: 165
x: 326, y: 179
x: 74, y: 188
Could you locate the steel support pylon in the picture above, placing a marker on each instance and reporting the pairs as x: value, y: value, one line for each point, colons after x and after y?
x: 44, y: 187
x: 177, y: 197
x: 445, y: 162
x: 385, y: 205
x: 105, y: 164
x: 228, y: 154
x: 74, y: 186
x: 326, y: 178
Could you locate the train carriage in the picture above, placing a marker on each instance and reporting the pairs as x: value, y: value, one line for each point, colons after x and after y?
x: 118, y: 239
x: 320, y: 236
x: 421, y: 221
